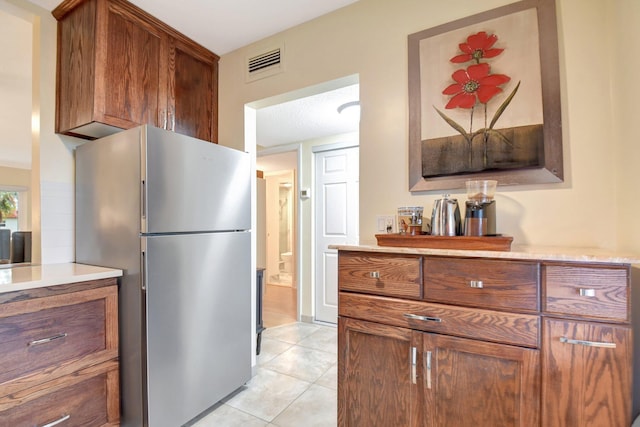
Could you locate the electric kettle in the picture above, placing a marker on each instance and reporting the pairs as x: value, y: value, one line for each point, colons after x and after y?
x: 445, y: 218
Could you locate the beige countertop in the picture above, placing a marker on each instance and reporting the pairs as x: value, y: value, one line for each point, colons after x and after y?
x: 540, y: 253
x: 18, y: 278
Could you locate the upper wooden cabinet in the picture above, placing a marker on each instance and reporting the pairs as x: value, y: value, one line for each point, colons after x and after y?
x: 119, y: 67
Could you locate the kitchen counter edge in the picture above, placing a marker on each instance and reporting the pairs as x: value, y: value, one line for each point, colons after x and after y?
x: 568, y: 254
x: 19, y: 278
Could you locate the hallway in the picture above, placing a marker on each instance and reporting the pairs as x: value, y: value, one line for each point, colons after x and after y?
x: 279, y: 305
x: 295, y: 382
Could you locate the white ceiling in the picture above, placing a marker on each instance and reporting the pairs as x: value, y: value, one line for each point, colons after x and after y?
x: 307, y: 118
x: 226, y: 25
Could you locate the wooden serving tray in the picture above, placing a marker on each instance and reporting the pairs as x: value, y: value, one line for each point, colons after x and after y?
x: 478, y: 243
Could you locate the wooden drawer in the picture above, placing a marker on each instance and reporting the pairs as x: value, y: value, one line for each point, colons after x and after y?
x: 48, y: 337
x: 486, y: 325
x: 380, y: 274
x: 482, y: 283
x: 90, y: 398
x: 587, y: 291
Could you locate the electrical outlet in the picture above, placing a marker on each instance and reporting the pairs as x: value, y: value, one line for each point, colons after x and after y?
x: 386, y: 223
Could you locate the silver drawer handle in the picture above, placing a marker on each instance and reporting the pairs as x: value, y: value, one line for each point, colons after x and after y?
x: 587, y: 292
x: 46, y: 340
x: 428, y: 357
x: 374, y: 275
x: 58, y: 421
x: 414, y: 361
x: 566, y: 340
x: 425, y: 318
x: 476, y: 284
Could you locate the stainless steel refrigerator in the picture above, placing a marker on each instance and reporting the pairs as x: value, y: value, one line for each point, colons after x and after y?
x: 173, y: 213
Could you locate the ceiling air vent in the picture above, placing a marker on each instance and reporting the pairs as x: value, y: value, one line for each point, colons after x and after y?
x: 265, y: 64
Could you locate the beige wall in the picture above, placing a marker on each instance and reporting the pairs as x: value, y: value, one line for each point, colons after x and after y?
x: 15, y: 177
x: 370, y: 38
x: 626, y: 21
x: 593, y: 207
x: 52, y: 155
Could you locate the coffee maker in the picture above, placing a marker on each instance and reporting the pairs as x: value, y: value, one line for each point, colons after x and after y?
x: 480, y: 213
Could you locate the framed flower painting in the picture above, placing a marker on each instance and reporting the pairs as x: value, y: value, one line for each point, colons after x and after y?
x: 484, y: 99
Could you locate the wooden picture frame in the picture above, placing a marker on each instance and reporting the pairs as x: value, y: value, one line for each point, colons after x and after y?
x: 529, y: 151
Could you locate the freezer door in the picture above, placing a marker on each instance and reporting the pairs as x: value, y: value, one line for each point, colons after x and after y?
x: 193, y: 185
x: 198, y: 302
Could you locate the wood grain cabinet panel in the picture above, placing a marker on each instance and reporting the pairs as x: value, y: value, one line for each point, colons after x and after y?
x: 586, y: 374
x: 59, y: 352
x: 593, y: 292
x: 192, y: 92
x: 70, y: 403
x: 32, y: 341
x: 119, y: 67
x: 380, y: 274
x: 374, y: 376
x: 498, y: 284
x: 487, y: 325
x: 479, y: 384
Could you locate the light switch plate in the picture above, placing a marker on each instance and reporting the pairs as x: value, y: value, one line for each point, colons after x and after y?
x: 386, y: 223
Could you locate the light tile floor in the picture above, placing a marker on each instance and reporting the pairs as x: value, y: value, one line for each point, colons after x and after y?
x: 295, y: 382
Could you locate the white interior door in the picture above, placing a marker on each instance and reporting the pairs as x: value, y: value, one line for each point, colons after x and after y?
x: 336, y: 222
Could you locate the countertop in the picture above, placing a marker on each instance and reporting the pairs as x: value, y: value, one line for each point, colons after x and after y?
x: 540, y: 253
x: 18, y: 278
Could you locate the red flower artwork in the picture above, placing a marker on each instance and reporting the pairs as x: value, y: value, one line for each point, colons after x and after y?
x: 478, y: 46
x: 474, y: 83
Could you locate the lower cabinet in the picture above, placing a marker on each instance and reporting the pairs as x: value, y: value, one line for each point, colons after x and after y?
x: 59, y: 356
x: 477, y: 384
x: 391, y: 376
x: 586, y: 374
x: 444, y: 341
x: 375, y: 375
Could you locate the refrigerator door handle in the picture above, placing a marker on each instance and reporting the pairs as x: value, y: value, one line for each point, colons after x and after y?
x: 143, y: 264
x: 143, y: 199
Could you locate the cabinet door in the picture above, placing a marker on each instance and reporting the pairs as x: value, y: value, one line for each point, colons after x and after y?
x: 468, y: 383
x: 374, y: 375
x: 192, y: 83
x: 129, y: 82
x: 586, y: 374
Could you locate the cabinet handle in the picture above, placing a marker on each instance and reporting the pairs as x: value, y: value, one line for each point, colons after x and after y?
x: 587, y: 292
x: 476, y: 284
x: 46, y: 340
x: 425, y: 318
x: 172, y: 119
x: 566, y: 340
x: 163, y: 117
x: 58, y: 421
x: 428, y: 363
x: 374, y: 275
x: 414, y: 360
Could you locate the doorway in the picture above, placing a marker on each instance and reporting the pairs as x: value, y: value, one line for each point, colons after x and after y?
x: 280, y: 292
x: 298, y: 122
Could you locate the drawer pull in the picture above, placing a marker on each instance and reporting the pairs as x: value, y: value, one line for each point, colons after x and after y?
x: 428, y: 363
x: 425, y: 318
x: 587, y: 292
x: 58, y: 421
x: 414, y: 360
x: 374, y: 275
x: 588, y: 343
x: 48, y: 339
x: 476, y: 284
